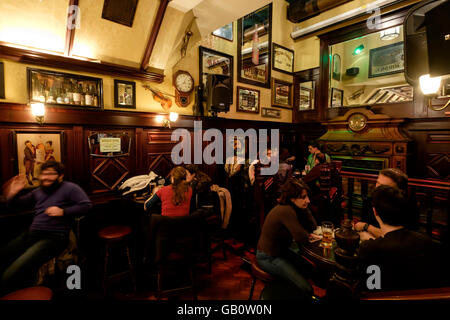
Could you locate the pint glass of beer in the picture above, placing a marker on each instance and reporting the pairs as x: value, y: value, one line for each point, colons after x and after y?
x: 327, y: 233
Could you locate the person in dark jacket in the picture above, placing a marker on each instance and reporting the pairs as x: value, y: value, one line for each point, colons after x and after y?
x: 406, y: 259
x: 56, y: 203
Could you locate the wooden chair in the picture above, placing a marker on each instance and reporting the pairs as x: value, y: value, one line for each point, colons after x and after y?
x: 258, y: 274
x: 32, y: 293
x: 177, y: 242
x: 114, y: 236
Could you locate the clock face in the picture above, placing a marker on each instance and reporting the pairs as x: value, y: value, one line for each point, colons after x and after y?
x: 184, y: 82
x: 357, y: 122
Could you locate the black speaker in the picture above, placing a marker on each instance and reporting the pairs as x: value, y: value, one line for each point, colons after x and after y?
x: 426, y: 26
x: 218, y: 93
x: 352, y: 71
x: 437, y: 21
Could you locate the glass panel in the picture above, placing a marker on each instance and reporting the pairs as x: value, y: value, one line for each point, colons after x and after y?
x: 369, y: 70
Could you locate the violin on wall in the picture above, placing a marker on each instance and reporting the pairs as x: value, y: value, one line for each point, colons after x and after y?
x: 158, y: 96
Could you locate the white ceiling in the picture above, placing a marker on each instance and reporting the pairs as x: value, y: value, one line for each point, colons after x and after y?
x: 213, y: 14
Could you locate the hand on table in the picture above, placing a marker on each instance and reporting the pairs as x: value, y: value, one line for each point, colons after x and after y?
x: 358, y: 226
x: 313, y: 237
x: 54, y: 212
x: 365, y: 236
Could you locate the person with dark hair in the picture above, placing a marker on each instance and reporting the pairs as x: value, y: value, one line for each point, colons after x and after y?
x: 56, y: 203
x: 314, y: 150
x: 406, y: 259
x: 175, y: 198
x: 201, y: 184
x: 289, y: 220
x: 395, y: 178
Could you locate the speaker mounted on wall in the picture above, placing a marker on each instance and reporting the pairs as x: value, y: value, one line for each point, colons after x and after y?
x: 218, y: 93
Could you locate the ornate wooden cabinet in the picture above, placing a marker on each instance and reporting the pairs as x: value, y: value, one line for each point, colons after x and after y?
x: 366, y: 142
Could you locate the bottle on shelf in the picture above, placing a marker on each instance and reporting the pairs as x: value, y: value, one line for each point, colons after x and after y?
x: 51, y: 96
x: 76, y: 95
x: 95, y: 96
x: 88, y: 96
x: 83, y: 94
x: 59, y: 95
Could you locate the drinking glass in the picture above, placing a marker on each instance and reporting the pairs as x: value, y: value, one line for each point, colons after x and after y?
x: 327, y: 233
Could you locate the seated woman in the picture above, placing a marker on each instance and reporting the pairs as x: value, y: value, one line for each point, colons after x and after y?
x: 175, y: 198
x: 281, y: 225
x: 312, y: 178
x: 201, y: 184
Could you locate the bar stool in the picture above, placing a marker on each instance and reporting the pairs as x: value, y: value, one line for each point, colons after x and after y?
x: 260, y: 274
x: 112, y: 236
x: 31, y: 293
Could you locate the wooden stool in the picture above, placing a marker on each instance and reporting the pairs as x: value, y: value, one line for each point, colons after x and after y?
x: 258, y: 273
x: 32, y: 293
x: 114, y: 235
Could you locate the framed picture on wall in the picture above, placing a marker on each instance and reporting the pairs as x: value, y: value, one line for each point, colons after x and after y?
x: 270, y: 113
x: 336, y: 72
x: 64, y: 89
x: 283, y: 59
x: 386, y: 60
x: 247, y: 100
x: 337, y: 98
x: 281, y: 93
x: 33, y: 148
x: 124, y: 94
x: 225, y: 32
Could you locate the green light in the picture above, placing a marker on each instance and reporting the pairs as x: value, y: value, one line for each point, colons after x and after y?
x: 358, y: 50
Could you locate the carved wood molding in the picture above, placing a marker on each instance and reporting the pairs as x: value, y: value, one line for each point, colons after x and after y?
x: 61, y: 62
x: 103, y: 166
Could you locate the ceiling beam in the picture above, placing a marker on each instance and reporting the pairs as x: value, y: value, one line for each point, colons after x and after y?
x: 154, y: 33
x: 62, y: 62
x: 70, y: 31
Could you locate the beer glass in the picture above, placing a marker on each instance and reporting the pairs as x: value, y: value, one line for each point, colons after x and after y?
x: 327, y: 233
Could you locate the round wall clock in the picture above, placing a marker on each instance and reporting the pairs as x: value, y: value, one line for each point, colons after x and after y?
x: 184, y: 85
x: 357, y: 122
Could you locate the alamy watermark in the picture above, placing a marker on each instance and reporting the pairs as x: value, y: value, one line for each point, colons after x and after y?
x: 74, y: 17
x: 374, y: 21
x: 213, y: 152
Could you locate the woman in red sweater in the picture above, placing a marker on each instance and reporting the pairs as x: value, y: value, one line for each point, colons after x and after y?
x: 175, y: 198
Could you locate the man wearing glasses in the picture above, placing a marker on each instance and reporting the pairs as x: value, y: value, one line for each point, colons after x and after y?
x: 56, y: 203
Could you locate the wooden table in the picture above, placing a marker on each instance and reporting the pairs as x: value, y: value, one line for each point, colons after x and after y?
x: 322, y: 259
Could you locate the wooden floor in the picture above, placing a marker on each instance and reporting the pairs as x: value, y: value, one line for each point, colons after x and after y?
x: 229, y: 280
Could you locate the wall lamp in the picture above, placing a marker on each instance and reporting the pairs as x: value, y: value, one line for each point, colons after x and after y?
x: 38, y: 111
x: 430, y: 88
x: 166, y: 122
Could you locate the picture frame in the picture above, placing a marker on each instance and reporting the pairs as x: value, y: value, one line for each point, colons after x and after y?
x: 282, y: 94
x: 270, y: 113
x: 2, y: 81
x: 33, y: 148
x: 225, y: 32
x: 64, y: 89
x: 282, y: 59
x: 336, y: 71
x: 247, y: 100
x: 124, y: 94
x: 386, y: 60
x: 337, y: 98
x: 254, y: 61
x: 306, y: 95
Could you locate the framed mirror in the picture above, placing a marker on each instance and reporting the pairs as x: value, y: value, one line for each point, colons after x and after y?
x: 306, y: 95
x: 254, y: 47
x: 215, y: 64
x: 109, y: 144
